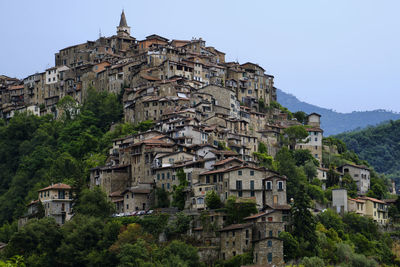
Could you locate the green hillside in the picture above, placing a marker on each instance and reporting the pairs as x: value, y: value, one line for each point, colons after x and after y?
x: 379, y: 145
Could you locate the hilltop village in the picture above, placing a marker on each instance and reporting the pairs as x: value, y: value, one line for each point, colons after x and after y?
x: 209, y: 119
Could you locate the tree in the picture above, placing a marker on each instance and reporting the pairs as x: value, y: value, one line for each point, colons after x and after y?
x: 179, y: 191
x: 261, y: 105
x: 310, y: 170
x: 81, y: 240
x: 213, y: 200
x: 300, y: 116
x: 378, y: 188
x: 330, y: 219
x: 104, y: 106
x: 134, y: 255
x: 339, y: 144
x: 290, y: 246
x: 286, y: 166
x: 36, y: 242
x: 332, y: 177
x: 180, y: 225
x: 186, y: 253
x: 94, y: 203
x: 237, y: 211
x: 302, y: 156
x: 162, y: 198
x: 303, y: 222
x: 68, y: 107
x: 295, y: 134
x: 129, y: 235
x: 350, y: 185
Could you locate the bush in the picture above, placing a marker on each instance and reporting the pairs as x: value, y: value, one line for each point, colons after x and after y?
x: 312, y: 262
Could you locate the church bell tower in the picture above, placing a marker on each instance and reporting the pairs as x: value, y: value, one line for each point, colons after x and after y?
x: 123, y: 29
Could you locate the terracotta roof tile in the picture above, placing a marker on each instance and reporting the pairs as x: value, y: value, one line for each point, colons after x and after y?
x: 56, y: 186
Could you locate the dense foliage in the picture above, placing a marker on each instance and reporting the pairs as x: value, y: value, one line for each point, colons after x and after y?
x: 37, y: 151
x: 379, y: 145
x: 90, y: 239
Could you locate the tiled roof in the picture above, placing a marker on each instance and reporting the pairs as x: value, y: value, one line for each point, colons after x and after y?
x: 225, y: 152
x: 373, y: 200
x: 116, y: 194
x: 258, y: 215
x: 357, y: 200
x: 236, y: 226
x: 56, y: 186
x: 221, y: 162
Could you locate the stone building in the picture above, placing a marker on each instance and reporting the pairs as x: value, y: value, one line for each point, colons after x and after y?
x: 360, y: 174
x: 235, y: 239
x: 57, y: 202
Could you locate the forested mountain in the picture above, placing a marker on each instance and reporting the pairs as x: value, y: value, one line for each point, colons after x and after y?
x: 335, y: 122
x: 379, y: 145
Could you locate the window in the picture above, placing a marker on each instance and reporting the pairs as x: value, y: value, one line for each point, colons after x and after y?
x: 269, y: 186
x: 240, y: 173
x: 269, y: 257
x: 167, y: 185
x: 251, y: 173
x: 127, y: 206
x: 316, y: 139
x: 127, y: 196
x: 269, y: 243
x: 252, y: 184
x: 200, y: 200
x: 158, y: 176
x: 162, y: 176
x: 233, y: 233
x: 247, y: 233
x: 270, y: 233
x: 167, y: 175
x: 207, y: 179
x: 215, y: 178
x: 132, y: 195
x: 280, y: 185
x: 238, y: 185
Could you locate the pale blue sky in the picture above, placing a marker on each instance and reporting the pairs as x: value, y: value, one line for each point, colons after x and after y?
x: 340, y: 54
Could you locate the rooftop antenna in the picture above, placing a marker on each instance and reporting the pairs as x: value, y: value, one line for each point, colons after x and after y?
x: 99, y: 32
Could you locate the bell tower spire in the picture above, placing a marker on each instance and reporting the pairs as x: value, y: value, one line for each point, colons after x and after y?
x: 123, y: 29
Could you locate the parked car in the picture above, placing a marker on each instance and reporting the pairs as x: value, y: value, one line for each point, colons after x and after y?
x: 142, y: 212
x: 149, y: 212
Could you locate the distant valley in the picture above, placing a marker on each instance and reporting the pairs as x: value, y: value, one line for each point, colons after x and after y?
x: 335, y: 122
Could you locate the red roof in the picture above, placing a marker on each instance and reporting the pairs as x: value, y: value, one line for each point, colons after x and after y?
x: 56, y: 186
x: 357, y: 200
x: 373, y: 200
x: 16, y: 87
x: 221, y: 162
